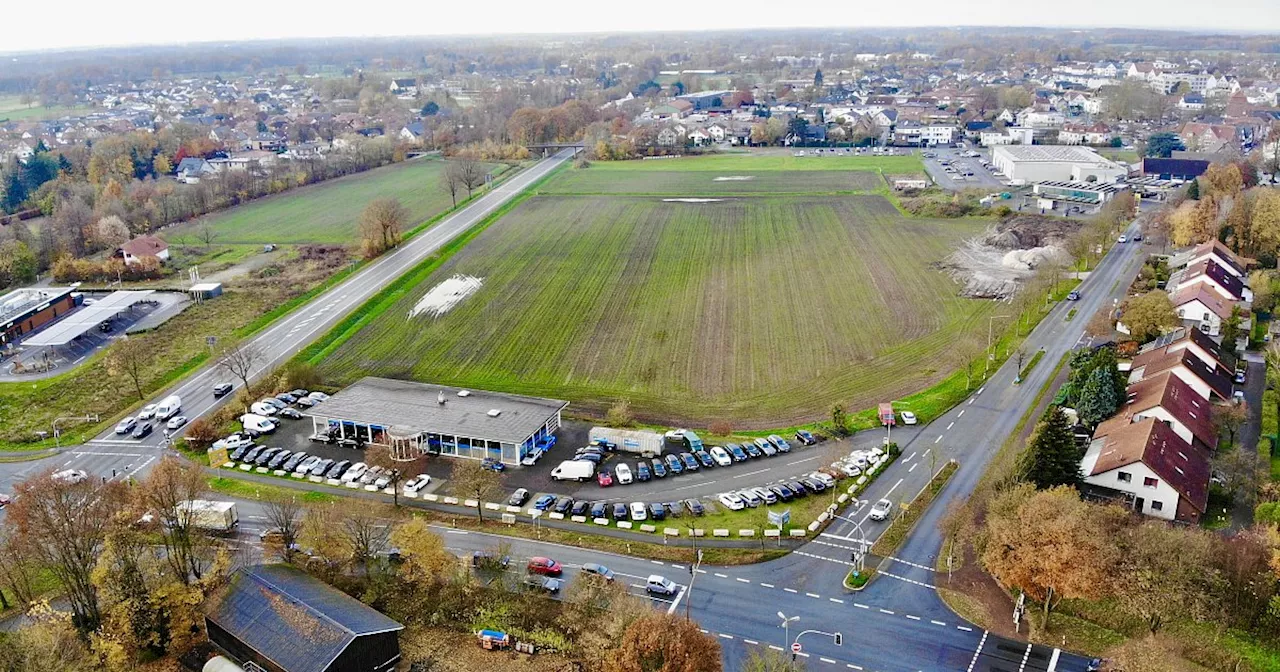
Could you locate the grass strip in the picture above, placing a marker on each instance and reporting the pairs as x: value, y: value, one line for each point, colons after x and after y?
x: 1035, y: 359
x: 858, y: 580
x: 897, y: 531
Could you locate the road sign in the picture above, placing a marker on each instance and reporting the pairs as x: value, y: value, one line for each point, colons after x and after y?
x: 795, y: 647
x: 780, y: 518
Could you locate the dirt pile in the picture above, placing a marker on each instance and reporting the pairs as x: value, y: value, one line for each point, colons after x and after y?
x: 994, y: 265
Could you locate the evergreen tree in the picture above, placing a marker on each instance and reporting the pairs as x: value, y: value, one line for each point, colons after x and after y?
x: 15, y: 191
x: 1105, y: 359
x: 1193, y: 192
x: 817, y: 78
x: 1098, y: 399
x: 1051, y: 457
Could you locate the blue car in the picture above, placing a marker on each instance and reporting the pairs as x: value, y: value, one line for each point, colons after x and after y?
x: 806, y: 437
x: 545, y: 443
x: 674, y: 465
x: 705, y: 458
x: 493, y: 465
x: 736, y: 451
x: 544, y: 502
x: 659, y: 471
x: 690, y: 464
x: 642, y: 472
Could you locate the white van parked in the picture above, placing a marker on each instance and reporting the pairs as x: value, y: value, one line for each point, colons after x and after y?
x: 169, y: 407
x: 257, y: 423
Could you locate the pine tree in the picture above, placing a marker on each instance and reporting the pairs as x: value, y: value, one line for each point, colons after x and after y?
x: 1098, y: 399
x: 1193, y: 192
x: 1051, y: 457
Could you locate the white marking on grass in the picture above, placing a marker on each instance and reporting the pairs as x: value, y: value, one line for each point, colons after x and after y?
x: 444, y: 296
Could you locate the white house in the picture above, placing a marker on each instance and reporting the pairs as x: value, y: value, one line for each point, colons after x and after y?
x: 1171, y: 401
x: 1162, y: 475
x: 1215, y: 277
x: 1203, y: 309
x: 1211, y: 250
x: 1206, y: 379
x: 144, y: 246
x: 698, y: 137
x: 937, y: 134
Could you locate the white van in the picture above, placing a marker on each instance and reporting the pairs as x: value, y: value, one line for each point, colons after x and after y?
x: 257, y: 423
x: 169, y: 407
x: 574, y: 470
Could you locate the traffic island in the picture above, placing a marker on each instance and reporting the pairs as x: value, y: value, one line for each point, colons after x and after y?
x: 856, y: 580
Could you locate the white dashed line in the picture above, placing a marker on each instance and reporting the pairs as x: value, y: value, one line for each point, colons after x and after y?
x: 704, y: 631
x: 827, y: 660
x: 938, y: 439
x: 726, y: 636
x: 953, y: 424
x: 913, y: 467
x: 966, y: 629
x: 767, y: 585
x: 701, y: 571
x: 978, y: 651
x: 814, y: 596
x: 658, y: 562
x: 912, y: 564
x: 971, y: 400
x: 852, y: 666
x: 906, y: 580
x: 750, y: 641
x: 914, y: 618
x: 886, y: 611
x: 751, y: 473
x: 926, y: 450
x: 861, y: 606
x: 836, y: 600
x: 961, y: 414
x: 937, y: 622
x: 775, y: 648
x: 743, y: 580
x: 791, y: 590
x: 677, y: 566
x: 980, y: 389
x: 723, y: 576
x: 803, y: 654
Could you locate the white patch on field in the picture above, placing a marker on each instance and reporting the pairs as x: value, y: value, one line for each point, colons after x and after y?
x: 444, y: 296
x: 734, y: 178
x: 692, y: 200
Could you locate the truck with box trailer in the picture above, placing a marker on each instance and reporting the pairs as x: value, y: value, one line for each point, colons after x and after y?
x: 647, y: 444
x: 209, y: 516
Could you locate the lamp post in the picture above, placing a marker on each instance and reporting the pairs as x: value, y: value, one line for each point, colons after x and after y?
x: 860, y: 555
x: 786, y: 629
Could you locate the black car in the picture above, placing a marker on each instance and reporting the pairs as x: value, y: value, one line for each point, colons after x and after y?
x: 798, y: 488
x: 286, y: 397
x: 805, y: 438
x: 299, y: 393
x: 294, y: 460
x: 752, y: 449
x: 240, y: 452
x: 642, y: 471
x: 563, y: 504
x: 657, y: 511
x: 659, y: 471
x: 673, y: 509
x: 580, y: 508
x: 144, y: 429
x: 290, y: 413
x: 695, y: 507
x: 813, y: 485
x: 265, y: 456
x: 783, y: 492
x: 674, y: 465
x: 253, y: 454
x: 598, y: 509
x: 279, y: 459
x: 620, y: 511
x: 336, y: 470
x: 222, y: 389
x: 690, y: 464
x: 705, y: 458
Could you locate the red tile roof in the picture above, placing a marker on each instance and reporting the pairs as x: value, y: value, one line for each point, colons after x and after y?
x: 144, y: 246
x: 1169, y: 392
x: 1154, y: 444
x: 1211, y: 299
x: 1158, y: 361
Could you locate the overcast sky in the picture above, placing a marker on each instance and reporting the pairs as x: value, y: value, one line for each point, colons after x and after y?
x: 83, y: 23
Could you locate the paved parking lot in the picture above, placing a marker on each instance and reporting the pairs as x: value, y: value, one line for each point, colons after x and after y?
x: 981, y: 178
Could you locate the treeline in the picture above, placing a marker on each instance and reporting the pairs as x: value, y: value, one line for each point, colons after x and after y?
x: 1225, y: 203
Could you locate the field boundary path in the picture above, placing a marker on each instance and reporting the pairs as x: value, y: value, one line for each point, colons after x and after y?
x: 122, y: 457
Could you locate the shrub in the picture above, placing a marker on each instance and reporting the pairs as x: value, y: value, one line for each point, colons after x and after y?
x: 200, y: 433
x: 619, y: 414
x: 720, y: 428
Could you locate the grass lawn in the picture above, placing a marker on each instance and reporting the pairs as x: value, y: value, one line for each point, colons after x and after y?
x: 760, y: 311
x: 1269, y: 428
x: 593, y: 180
x: 11, y: 108
x: 328, y: 212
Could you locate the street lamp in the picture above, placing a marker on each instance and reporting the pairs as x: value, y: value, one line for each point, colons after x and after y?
x: 859, y: 555
x: 786, y: 627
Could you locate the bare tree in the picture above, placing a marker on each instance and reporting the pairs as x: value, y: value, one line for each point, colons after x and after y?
x: 397, y: 471
x: 285, y: 518
x: 381, y: 225
x: 240, y: 360
x: 365, y: 532
x: 165, y: 492
x: 128, y: 357
x: 207, y: 234
x: 471, y: 479
x: 471, y: 173
x: 451, y: 178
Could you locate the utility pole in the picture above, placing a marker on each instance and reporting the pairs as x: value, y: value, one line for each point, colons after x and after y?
x: 693, y: 574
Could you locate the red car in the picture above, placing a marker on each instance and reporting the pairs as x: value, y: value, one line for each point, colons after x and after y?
x: 604, y: 479
x: 545, y: 566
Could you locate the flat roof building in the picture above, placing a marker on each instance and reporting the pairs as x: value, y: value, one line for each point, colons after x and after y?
x: 1025, y: 164
x: 22, y: 311
x: 1088, y: 193
x: 414, y: 418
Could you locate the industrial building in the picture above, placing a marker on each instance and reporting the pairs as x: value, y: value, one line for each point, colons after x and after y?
x: 1025, y: 164
x: 414, y: 418
x: 278, y: 618
x: 1086, y: 193
x: 22, y: 311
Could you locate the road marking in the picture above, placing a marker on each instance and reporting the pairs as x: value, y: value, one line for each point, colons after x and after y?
x: 775, y: 648
x: 753, y: 473
x: 750, y: 641
x: 658, y: 562
x: 971, y: 400
x: 1025, y: 655
x: 823, y: 557
x: 767, y: 585
x: 677, y: 566
x: 928, y: 450
x: 852, y: 666
x: 814, y: 596
x: 807, y: 459
x: 938, y: 439
x: 982, y: 642
x: 791, y: 590
x: 895, y: 487
x: 909, y: 458
x: 700, y: 571
x: 836, y: 536
x: 966, y: 629
x: 914, y: 618
x: 803, y: 654
x: 938, y: 623
x: 82, y: 453
x: 905, y: 579
x: 742, y: 580
x: 1053, y: 660
x: 912, y: 564
x: 723, y: 576
x: 689, y: 487
x: 860, y: 606
x: 725, y: 636
x: 961, y: 415
x: 676, y: 602
x: 886, y: 611
x: 837, y: 601
x: 913, y: 467
x: 953, y: 424
x: 457, y: 532
x: 827, y: 660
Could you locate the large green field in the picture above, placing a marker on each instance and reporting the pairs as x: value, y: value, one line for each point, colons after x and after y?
x: 11, y: 108
x: 709, y: 182
x: 329, y: 212
x: 760, y: 310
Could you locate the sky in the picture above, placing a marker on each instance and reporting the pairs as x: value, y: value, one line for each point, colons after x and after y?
x: 89, y: 23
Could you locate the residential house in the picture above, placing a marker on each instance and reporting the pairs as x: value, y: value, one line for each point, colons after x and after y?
x: 1213, y: 275
x: 412, y: 132
x: 670, y: 137
x: 1192, y: 102
x: 1154, y: 469
x: 937, y: 134
x: 1214, y: 251
x: 1209, y: 138
x: 718, y: 133
x: 1189, y: 340
x: 192, y: 168
x: 1206, y: 379
x: 404, y: 87
x: 144, y: 246
x: 1202, y: 309
x: 698, y: 137
x: 1169, y: 400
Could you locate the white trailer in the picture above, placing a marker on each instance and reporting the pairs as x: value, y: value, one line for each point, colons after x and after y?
x: 647, y: 444
x: 213, y: 517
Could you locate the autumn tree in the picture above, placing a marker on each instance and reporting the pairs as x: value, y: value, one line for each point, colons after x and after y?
x: 18, y: 570
x: 1194, y: 222
x: 285, y: 518
x: 110, y: 232
x: 64, y: 525
x: 661, y: 642
x: 1221, y: 180
x: 472, y: 480
x: 1264, y: 222
x: 1163, y: 571
x: 240, y: 359
x: 396, y: 470
x: 760, y: 659
x: 1229, y: 418
x: 382, y: 225
x: 1051, y: 545
x: 1149, y: 315
x: 423, y: 552
x: 128, y: 358
x: 166, y: 492
x: 1051, y: 457
x: 47, y: 642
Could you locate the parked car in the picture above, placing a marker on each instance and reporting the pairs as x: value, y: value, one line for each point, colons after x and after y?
x: 674, y: 465
x: 239, y: 452
x: 642, y: 471
x: 592, y: 457
x: 1240, y: 376
x: 721, y: 456
x: 732, y: 501
x: 264, y: 458
x: 318, y: 396
x: 619, y: 511
x: 704, y: 459
x: 417, y: 484
x: 143, y: 430
x: 306, y: 402
x: 493, y: 465
x: 519, y: 497
x: 371, y: 475
x: 298, y: 393
x: 580, y: 508
x: 598, y: 509
x: 563, y: 504
x: 598, y: 570
x: 909, y: 418
x: 604, y: 479
x: 286, y: 397
x: 695, y: 507
x: 739, y: 455
x: 659, y: 471
x: 812, y: 485
x: 638, y: 512
x: 764, y: 447
x: 544, y: 566
x: 544, y: 583
x: 176, y: 422
x: 782, y: 492
x: 624, y: 474
x: 385, y: 479
x: 749, y: 498
x: 294, y: 460
x: 263, y: 408
x: 806, y: 437
x: 126, y: 426
x: 233, y: 441
x: 752, y: 450
x: 354, y: 472
x: 338, y: 469
x: 657, y: 511
x: 307, y: 464
x: 222, y: 389
x: 661, y: 586
x: 279, y: 459
x: 765, y: 495
x: 690, y: 462
x: 825, y: 479
x: 291, y: 413
x: 880, y: 510
x: 544, y: 502
x: 321, y: 467
x: 780, y: 443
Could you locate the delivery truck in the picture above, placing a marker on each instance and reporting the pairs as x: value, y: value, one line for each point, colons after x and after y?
x: 574, y: 470
x: 647, y: 444
x: 209, y: 516
x: 169, y: 407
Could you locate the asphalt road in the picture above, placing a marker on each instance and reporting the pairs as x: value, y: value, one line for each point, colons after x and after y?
x: 110, y: 456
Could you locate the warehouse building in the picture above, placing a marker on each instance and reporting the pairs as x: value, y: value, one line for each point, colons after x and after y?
x: 1086, y: 193
x: 1025, y: 164
x: 23, y: 311
x: 278, y: 618
x: 414, y: 418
